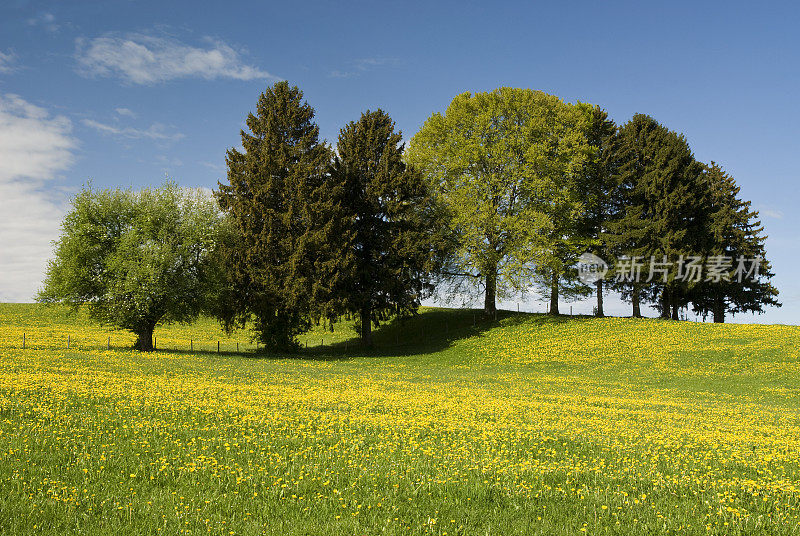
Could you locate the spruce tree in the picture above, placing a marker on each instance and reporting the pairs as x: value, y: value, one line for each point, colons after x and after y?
x: 386, y: 226
x: 278, y: 205
x: 733, y: 232
x: 659, y: 209
x: 597, y: 187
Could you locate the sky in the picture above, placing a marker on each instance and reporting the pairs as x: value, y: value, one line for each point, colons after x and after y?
x: 126, y: 93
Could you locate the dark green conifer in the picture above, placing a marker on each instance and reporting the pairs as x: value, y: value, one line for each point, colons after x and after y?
x: 733, y: 232
x: 386, y: 226
x: 278, y: 205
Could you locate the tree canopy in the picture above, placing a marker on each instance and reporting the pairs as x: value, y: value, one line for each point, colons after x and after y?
x: 277, y: 202
x: 136, y: 259
x: 501, y: 164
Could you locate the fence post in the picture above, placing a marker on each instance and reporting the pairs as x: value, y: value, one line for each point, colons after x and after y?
x: 217, y: 346
x: 237, y: 347
x: 23, y: 341
x: 68, y: 337
x: 191, y: 345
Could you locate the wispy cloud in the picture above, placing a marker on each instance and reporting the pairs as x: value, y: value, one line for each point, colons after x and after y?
x: 362, y: 65
x: 147, y: 59
x: 156, y: 131
x: 218, y: 168
x: 7, y: 60
x: 34, y: 148
x: 127, y: 112
x: 768, y: 212
x: 45, y: 20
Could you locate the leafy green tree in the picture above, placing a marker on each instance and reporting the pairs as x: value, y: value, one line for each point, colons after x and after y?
x: 137, y: 259
x: 500, y: 164
x: 387, y: 226
x: 278, y: 203
x: 734, y: 235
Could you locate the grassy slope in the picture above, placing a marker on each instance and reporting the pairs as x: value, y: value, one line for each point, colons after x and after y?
x: 528, y: 425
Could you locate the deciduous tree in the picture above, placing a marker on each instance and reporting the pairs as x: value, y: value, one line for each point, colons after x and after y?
x: 136, y: 259
x: 500, y: 164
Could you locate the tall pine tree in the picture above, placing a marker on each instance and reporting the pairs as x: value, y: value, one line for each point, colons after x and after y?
x: 733, y: 232
x: 387, y: 229
x: 659, y: 204
x: 597, y: 187
x: 278, y: 205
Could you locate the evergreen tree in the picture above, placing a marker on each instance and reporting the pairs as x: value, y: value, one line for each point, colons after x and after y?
x: 387, y: 226
x: 659, y: 204
x: 278, y: 205
x: 733, y: 232
x: 596, y: 188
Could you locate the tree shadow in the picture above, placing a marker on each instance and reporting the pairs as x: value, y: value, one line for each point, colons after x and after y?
x: 430, y: 331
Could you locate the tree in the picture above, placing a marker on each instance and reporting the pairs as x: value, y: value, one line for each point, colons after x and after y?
x: 137, y: 259
x: 734, y: 235
x: 597, y: 187
x: 659, y: 207
x: 387, y: 222
x: 278, y: 205
x: 497, y: 163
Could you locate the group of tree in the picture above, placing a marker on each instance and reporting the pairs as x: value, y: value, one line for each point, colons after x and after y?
x: 498, y: 195
x: 529, y: 183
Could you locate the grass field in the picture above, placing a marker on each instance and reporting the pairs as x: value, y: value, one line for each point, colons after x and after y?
x: 527, y: 425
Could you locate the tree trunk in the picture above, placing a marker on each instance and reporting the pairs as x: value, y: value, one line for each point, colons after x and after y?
x: 719, y: 310
x: 637, y: 308
x: 366, y: 325
x: 554, y: 294
x: 675, y: 306
x: 599, y: 285
x: 144, y: 339
x: 491, y: 292
x: 665, y: 303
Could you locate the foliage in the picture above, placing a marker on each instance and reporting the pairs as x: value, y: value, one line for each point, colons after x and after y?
x: 136, y: 259
x: 387, y: 225
x: 278, y: 206
x: 500, y: 163
x: 733, y: 231
x: 659, y: 206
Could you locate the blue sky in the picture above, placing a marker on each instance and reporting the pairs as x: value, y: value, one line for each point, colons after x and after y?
x: 124, y: 93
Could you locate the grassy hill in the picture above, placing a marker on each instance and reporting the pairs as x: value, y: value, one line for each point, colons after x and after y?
x: 453, y: 425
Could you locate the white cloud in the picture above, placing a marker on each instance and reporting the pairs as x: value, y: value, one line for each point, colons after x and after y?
x: 34, y: 148
x: 46, y: 20
x: 363, y: 65
x: 7, y: 60
x: 769, y: 212
x: 146, y: 59
x: 156, y: 131
x: 126, y: 112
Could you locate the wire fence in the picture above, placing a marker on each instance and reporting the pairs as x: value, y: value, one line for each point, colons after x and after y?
x: 422, y: 329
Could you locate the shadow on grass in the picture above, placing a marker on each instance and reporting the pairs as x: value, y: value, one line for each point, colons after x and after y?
x: 432, y: 330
